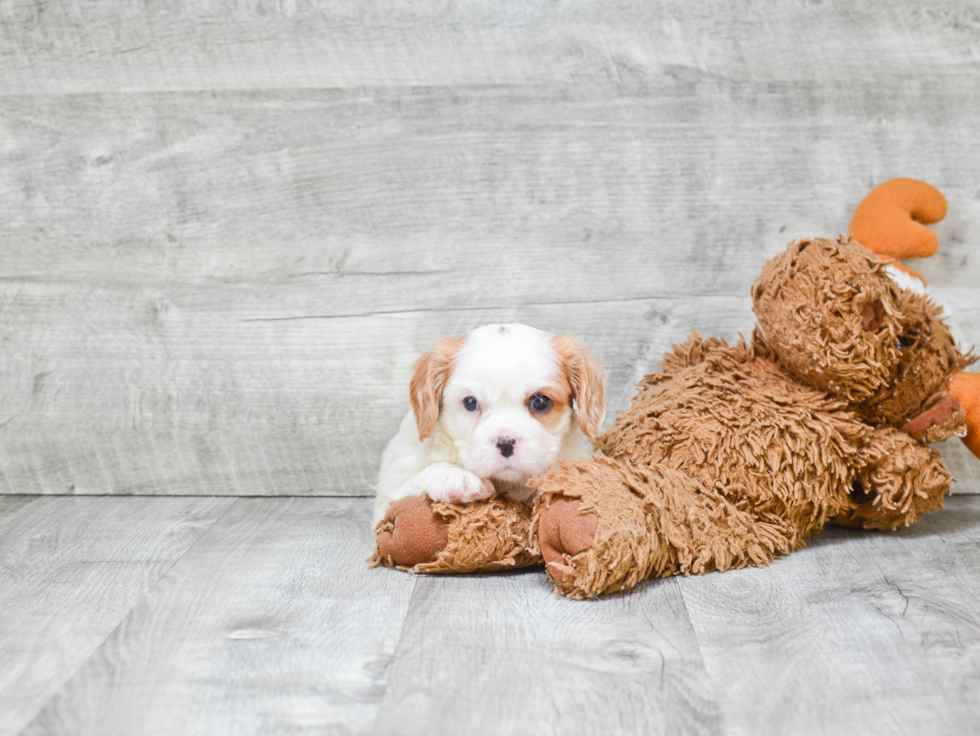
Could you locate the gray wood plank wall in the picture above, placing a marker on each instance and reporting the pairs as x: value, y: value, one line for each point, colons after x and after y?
x: 228, y: 229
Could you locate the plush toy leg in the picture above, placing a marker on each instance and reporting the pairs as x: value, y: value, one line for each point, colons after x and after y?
x: 965, y: 388
x: 595, y: 533
x: 419, y: 535
x: 605, y: 526
x: 889, y: 220
x: 907, y: 481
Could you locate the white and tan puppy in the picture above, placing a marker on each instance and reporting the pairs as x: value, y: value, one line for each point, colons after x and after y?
x: 489, y: 410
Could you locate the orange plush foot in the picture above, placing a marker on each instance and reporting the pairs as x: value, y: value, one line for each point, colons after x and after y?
x: 889, y: 220
x: 965, y: 388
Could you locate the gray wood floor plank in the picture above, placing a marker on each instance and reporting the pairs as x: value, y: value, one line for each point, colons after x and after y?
x: 500, y: 654
x: 70, y: 570
x: 858, y: 633
x: 100, y: 46
x: 272, y: 623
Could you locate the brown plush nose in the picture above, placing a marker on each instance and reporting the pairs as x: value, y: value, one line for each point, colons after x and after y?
x: 506, y: 446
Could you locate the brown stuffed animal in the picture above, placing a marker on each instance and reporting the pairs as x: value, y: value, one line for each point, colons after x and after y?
x: 732, y: 454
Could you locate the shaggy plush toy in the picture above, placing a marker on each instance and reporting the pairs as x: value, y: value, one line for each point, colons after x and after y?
x: 732, y: 455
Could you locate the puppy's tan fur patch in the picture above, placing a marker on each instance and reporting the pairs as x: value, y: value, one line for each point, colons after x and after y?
x: 560, y: 393
x: 429, y: 378
x: 584, y: 375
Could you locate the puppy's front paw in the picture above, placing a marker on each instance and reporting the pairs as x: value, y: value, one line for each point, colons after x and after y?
x: 448, y: 482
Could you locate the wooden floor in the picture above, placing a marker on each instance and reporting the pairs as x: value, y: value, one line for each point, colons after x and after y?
x: 257, y: 615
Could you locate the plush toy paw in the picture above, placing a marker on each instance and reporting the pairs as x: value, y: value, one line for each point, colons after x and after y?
x: 411, y: 533
x: 564, y: 530
x: 905, y: 482
x: 425, y: 536
x: 597, y: 535
x: 451, y: 483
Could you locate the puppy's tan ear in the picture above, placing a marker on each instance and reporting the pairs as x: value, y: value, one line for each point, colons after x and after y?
x: 429, y: 378
x: 587, y: 379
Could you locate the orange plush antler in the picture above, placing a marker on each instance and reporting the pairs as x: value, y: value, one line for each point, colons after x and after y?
x: 965, y: 388
x: 889, y: 220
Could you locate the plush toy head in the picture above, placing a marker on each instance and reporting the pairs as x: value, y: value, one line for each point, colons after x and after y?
x: 839, y: 323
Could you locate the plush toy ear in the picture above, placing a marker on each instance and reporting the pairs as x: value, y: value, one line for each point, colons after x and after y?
x: 965, y: 388
x: 889, y: 220
x: 587, y: 379
x: 429, y: 378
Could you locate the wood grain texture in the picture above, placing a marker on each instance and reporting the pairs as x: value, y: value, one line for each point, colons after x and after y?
x: 323, y: 197
x: 222, y: 292
x: 70, y: 570
x: 248, y: 431
x: 101, y: 45
x: 858, y: 633
x: 10, y: 504
x: 501, y: 654
x: 271, y: 623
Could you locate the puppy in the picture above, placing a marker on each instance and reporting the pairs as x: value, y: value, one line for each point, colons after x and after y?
x: 489, y: 410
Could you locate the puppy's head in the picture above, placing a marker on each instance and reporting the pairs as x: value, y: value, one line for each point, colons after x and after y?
x: 506, y: 396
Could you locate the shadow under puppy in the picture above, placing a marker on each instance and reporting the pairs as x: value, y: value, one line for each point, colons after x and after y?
x: 489, y: 411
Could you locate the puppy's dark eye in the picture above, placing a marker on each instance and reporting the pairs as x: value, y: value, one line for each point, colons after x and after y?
x: 540, y: 403
x: 904, y: 342
x: 470, y: 403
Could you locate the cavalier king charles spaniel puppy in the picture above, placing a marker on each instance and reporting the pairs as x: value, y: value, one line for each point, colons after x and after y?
x: 489, y: 410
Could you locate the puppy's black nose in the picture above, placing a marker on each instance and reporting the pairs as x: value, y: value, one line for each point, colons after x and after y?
x: 506, y: 446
